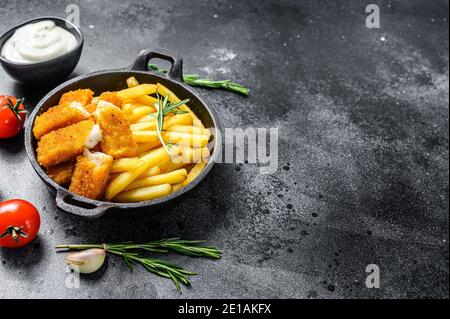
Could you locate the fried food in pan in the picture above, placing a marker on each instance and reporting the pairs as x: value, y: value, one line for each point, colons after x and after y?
x: 62, y: 173
x: 112, y: 98
x: 59, y: 116
x: 67, y: 143
x: 124, y: 146
x: 83, y: 96
x: 117, y: 139
x: 91, y: 174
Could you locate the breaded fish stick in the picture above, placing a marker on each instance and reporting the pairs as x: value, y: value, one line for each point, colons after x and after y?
x: 67, y: 143
x: 117, y: 139
x: 83, y: 96
x: 61, y: 173
x: 91, y: 174
x: 112, y: 98
x: 58, y: 117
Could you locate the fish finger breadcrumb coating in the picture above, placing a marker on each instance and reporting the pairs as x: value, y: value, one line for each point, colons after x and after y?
x: 58, y: 117
x: 91, y: 174
x: 112, y: 98
x: 67, y: 143
x: 83, y: 96
x: 62, y: 173
x: 91, y: 107
x: 117, y: 138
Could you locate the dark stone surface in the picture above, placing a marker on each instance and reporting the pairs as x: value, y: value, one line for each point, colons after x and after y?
x: 363, y: 166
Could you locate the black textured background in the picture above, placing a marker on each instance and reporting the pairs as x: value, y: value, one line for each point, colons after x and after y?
x: 363, y: 171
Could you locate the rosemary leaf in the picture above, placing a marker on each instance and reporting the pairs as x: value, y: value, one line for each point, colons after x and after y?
x: 196, y: 80
x: 164, y: 107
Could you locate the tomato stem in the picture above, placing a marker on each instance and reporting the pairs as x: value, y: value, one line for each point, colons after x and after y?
x: 14, y: 232
x: 15, y: 108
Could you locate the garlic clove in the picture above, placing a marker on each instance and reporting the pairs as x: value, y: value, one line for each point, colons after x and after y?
x: 87, y: 261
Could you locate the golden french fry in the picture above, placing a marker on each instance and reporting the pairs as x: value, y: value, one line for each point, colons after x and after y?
x: 155, y: 170
x: 194, y: 155
x: 197, y: 123
x: 189, y: 129
x: 137, y: 91
x: 188, y: 155
x: 145, y: 136
x: 139, y: 112
x: 144, y: 126
x: 142, y: 148
x: 126, y: 178
x: 195, y: 171
x: 176, y: 137
x: 143, y: 194
x: 176, y: 187
x: 184, y: 119
x: 185, y: 139
x: 146, y: 118
x: 126, y: 164
x: 132, y: 82
x: 128, y: 107
x: 147, y: 100
x: 151, y: 118
x: 133, y: 104
x: 174, y: 177
x: 169, y: 121
x: 171, y: 166
x: 163, y: 91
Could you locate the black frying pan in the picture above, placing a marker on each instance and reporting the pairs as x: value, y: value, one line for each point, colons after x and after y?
x: 114, y: 80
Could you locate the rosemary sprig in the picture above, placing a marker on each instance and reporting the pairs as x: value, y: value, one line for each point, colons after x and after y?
x: 164, y: 107
x: 185, y: 247
x: 196, y: 80
x: 128, y: 252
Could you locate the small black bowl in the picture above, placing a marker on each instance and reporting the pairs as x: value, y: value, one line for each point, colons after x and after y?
x: 47, y: 72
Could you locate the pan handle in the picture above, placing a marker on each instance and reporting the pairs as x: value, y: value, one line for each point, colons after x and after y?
x: 175, y: 72
x: 66, y: 202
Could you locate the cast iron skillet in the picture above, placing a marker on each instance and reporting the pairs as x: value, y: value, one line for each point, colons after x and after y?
x: 111, y: 81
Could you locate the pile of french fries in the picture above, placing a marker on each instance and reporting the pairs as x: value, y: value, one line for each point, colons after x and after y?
x: 154, y: 172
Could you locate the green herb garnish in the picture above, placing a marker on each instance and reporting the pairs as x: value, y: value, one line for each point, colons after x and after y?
x: 128, y: 252
x: 164, y: 107
x: 196, y: 80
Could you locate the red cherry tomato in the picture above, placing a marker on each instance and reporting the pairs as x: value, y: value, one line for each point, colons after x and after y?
x: 12, y: 116
x: 19, y: 223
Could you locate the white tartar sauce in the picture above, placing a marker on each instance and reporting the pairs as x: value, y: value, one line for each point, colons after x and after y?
x: 38, y: 42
